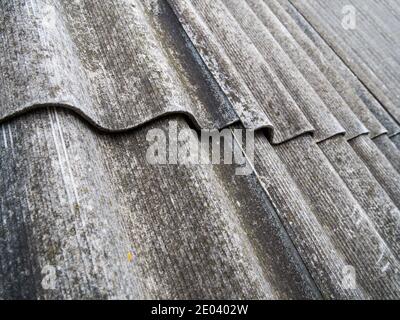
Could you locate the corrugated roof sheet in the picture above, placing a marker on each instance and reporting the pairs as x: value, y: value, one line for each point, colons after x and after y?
x: 375, y: 65
x: 84, y: 82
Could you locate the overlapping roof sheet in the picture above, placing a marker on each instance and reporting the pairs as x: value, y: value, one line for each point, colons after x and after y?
x: 82, y: 83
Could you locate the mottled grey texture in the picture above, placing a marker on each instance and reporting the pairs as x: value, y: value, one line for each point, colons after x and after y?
x: 290, y: 61
x: 322, y: 258
x: 379, y: 166
x: 308, y: 43
x: 287, y: 71
x: 366, y: 190
x: 228, y: 51
x: 396, y: 140
x: 118, y: 64
x: 342, y: 217
x: 323, y: 192
x: 371, y: 50
x: 389, y: 149
x: 80, y: 201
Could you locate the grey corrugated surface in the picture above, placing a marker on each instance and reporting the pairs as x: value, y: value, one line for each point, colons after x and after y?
x: 204, y: 28
x: 342, y: 217
x: 190, y: 235
x: 311, y: 104
x: 115, y: 226
x: 389, y: 149
x: 371, y: 50
x: 366, y: 190
x: 339, y: 75
x: 262, y: 20
x: 329, y: 82
x: 112, y: 62
x: 396, y: 140
x: 323, y: 260
x: 379, y: 166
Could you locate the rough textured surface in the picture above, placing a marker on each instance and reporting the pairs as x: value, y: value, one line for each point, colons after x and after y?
x: 342, y: 217
x: 340, y: 76
x: 201, y: 20
x: 371, y: 50
x: 115, y: 63
x: 297, y: 70
x: 379, y: 166
x: 389, y: 149
x: 186, y: 227
x: 82, y: 83
x: 365, y: 188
